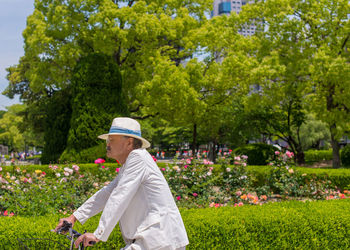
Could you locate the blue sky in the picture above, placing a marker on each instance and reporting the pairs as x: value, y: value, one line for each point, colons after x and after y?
x: 13, y: 17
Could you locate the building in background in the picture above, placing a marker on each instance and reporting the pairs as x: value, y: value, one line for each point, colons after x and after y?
x: 222, y: 7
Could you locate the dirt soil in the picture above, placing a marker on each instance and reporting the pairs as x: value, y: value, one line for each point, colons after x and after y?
x: 322, y: 164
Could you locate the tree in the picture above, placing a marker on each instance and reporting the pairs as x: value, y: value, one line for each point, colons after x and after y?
x: 133, y: 33
x: 309, y: 39
x: 10, y: 124
x: 96, y: 99
x: 58, y: 113
x: 313, y: 132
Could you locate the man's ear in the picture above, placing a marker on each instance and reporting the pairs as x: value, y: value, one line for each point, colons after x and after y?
x: 130, y: 141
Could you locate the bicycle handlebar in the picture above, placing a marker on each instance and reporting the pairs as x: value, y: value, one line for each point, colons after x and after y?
x: 67, y: 227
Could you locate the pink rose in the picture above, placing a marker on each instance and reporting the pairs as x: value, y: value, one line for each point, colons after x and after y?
x: 117, y: 170
x: 154, y: 158
x: 75, y: 167
x: 163, y: 169
x: 186, y: 166
x: 277, y: 152
x: 195, y: 194
x: 289, y: 154
x: 178, y: 198
x: 99, y: 161
x: 103, y: 167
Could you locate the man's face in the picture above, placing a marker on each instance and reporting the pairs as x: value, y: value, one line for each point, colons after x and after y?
x: 117, y: 147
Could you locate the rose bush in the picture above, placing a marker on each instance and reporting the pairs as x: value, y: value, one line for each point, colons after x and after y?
x: 193, y: 183
x: 34, y: 193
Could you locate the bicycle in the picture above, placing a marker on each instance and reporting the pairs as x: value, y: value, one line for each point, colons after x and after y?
x: 46, y: 243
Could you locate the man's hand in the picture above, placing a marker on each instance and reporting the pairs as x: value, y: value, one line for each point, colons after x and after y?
x: 86, y: 238
x: 70, y: 219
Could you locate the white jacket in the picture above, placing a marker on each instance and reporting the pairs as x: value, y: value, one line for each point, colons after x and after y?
x: 140, y: 199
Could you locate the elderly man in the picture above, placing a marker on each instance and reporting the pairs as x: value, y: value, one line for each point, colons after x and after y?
x: 139, y: 198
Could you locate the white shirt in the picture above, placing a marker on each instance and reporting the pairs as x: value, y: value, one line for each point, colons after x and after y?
x: 140, y: 199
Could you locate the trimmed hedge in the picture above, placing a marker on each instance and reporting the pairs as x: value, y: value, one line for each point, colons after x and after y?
x: 318, y: 155
x: 283, y: 225
x: 345, y: 155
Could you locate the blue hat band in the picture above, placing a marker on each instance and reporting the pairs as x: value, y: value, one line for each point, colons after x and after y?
x: 124, y: 131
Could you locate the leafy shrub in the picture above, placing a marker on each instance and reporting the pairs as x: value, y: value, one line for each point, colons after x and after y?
x: 97, y: 98
x: 35, y: 193
x: 235, y: 177
x: 86, y: 155
x: 345, y: 156
x: 286, y: 181
x: 258, y: 153
x: 282, y: 225
x: 190, y: 183
x: 318, y: 155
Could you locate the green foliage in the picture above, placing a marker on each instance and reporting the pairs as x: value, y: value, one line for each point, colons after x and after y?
x: 40, y: 226
x: 297, y: 225
x: 10, y: 127
x: 312, y: 132
x: 58, y: 115
x: 39, y: 193
x: 287, y: 181
x: 97, y: 99
x: 86, y: 155
x: 236, y: 177
x: 190, y: 184
x: 258, y: 153
x: 318, y: 155
x: 345, y: 156
x: 274, y: 226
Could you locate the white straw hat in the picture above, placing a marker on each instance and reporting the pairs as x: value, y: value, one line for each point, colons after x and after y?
x: 128, y: 127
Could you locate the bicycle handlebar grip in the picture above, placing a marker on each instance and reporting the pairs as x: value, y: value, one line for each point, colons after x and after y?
x: 66, y: 224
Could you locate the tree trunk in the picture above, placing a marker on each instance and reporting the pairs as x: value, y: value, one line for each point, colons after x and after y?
x: 336, y: 148
x: 300, y: 157
x: 212, y: 151
x: 194, y: 140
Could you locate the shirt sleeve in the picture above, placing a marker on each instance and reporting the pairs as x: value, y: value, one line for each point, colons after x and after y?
x: 95, y: 203
x: 133, y: 175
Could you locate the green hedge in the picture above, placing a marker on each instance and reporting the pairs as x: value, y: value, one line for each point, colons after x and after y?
x: 318, y: 155
x: 339, y: 177
x: 284, y: 225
